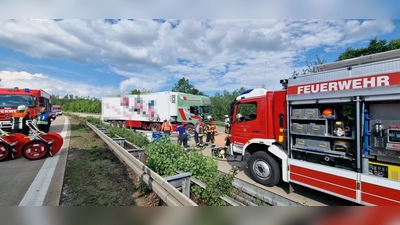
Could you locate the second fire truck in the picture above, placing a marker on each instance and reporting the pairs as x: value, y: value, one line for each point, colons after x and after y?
x: 335, y: 131
x: 11, y: 98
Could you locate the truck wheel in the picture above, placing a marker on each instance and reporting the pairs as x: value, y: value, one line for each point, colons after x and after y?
x: 264, y: 169
x: 154, y: 126
x: 113, y: 123
x: 121, y: 124
x: 190, y: 129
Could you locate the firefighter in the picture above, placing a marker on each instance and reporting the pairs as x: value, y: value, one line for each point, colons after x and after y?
x: 227, y: 124
x: 18, y: 120
x: 199, y: 132
x: 44, y: 119
x: 207, y: 130
x: 166, y: 127
x: 211, y: 129
x: 239, y: 117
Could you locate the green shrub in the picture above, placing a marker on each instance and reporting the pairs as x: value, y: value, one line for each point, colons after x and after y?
x: 165, y: 158
x: 130, y: 136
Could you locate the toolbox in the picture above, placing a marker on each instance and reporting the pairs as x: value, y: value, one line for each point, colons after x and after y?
x: 316, y: 129
x: 311, y: 113
x: 298, y: 114
x: 299, y: 128
x: 313, y: 145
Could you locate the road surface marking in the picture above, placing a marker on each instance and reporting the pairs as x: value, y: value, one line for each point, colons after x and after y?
x: 38, y: 189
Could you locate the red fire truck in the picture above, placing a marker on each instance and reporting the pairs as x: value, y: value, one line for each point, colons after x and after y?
x: 57, y: 109
x: 11, y: 98
x: 336, y: 131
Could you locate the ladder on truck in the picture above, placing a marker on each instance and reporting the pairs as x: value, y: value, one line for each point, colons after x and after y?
x: 348, y: 63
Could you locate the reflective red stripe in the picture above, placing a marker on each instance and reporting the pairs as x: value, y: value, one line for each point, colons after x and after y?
x: 382, y: 195
x: 182, y: 114
x: 336, y: 184
x: 346, y: 182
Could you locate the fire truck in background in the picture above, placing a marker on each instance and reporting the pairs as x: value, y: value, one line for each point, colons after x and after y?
x: 336, y: 131
x: 57, y: 109
x: 11, y: 98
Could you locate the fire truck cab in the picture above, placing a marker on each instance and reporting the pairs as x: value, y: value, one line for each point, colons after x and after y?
x: 335, y: 131
x: 11, y: 98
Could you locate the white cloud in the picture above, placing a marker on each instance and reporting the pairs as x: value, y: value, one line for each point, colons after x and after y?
x: 357, y: 30
x: 136, y: 83
x: 209, y: 9
x: 52, y: 85
x: 218, y: 54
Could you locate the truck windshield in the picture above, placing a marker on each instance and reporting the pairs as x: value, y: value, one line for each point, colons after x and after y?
x: 13, y: 101
x: 57, y: 109
x: 205, y: 109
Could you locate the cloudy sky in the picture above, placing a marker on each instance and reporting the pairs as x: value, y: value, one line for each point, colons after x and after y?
x: 96, y: 57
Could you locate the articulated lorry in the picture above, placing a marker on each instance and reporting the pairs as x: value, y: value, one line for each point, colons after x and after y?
x: 336, y: 131
x: 147, y: 111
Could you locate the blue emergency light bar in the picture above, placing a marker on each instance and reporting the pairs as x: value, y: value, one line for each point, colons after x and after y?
x: 246, y: 92
x: 26, y: 90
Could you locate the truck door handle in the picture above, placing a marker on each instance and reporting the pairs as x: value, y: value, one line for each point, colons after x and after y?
x: 255, y: 131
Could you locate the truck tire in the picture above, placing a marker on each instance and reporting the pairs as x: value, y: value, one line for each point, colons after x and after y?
x: 189, y: 129
x: 154, y: 127
x: 264, y: 169
x: 121, y: 124
x: 113, y: 123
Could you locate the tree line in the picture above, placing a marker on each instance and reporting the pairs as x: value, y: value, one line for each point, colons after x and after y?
x: 220, y: 102
x: 78, y: 104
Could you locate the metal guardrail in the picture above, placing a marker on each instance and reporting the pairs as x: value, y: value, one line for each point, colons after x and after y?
x: 168, y: 188
x: 166, y: 191
x: 262, y: 194
x: 180, y: 181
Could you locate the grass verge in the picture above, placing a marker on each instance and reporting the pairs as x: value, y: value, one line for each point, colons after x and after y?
x: 94, y: 176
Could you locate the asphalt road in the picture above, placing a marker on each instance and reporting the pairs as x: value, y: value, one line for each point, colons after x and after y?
x: 26, y: 182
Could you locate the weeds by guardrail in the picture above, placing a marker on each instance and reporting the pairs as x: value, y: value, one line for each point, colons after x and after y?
x: 245, y: 194
x: 168, y: 188
x: 168, y: 193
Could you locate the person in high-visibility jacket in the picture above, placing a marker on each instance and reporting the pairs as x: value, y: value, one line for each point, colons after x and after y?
x: 18, y: 120
x: 211, y: 129
x: 206, y: 128
x: 226, y: 123
x: 166, y: 127
x: 199, y: 132
x: 44, y: 119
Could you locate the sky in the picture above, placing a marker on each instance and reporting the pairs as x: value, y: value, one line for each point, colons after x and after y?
x: 225, y: 46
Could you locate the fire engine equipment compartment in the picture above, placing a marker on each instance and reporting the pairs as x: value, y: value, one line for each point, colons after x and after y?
x: 324, y: 134
x: 385, y: 132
